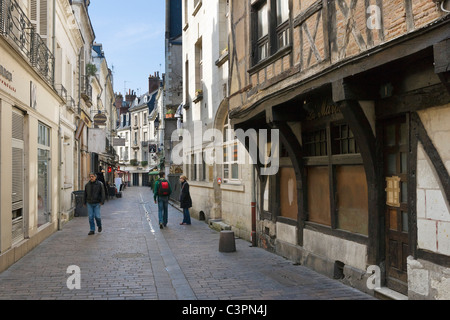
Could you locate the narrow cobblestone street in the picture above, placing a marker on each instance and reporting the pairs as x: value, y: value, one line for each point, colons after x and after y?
x: 133, y: 259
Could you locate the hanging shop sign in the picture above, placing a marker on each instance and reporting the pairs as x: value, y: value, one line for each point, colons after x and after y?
x: 100, y: 119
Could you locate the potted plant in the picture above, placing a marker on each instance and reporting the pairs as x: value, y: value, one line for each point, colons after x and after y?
x: 91, y: 69
x: 170, y: 113
x: 134, y: 162
x: 144, y: 163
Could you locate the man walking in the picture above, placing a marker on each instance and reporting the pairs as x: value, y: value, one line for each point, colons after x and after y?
x: 94, y: 198
x: 161, y: 194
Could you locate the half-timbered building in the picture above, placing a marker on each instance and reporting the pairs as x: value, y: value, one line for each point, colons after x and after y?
x: 359, y: 91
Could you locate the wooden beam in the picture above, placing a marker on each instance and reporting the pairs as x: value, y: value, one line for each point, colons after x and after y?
x: 345, y: 90
x: 442, y: 62
x: 416, y: 100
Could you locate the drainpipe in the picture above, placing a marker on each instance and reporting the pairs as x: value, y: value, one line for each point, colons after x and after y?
x: 253, y: 205
x: 59, y: 118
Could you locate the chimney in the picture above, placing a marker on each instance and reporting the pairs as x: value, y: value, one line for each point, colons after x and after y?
x: 130, y: 96
x: 153, y: 82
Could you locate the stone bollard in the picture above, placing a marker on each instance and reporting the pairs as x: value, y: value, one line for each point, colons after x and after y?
x: 226, y: 242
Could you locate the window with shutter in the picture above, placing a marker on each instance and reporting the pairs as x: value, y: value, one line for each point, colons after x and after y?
x: 17, y: 176
x: 38, y: 16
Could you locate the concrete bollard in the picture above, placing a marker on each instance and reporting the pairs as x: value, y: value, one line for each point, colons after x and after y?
x: 227, y: 242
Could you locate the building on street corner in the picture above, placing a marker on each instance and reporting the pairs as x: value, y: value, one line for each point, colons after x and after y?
x: 359, y: 93
x: 46, y: 74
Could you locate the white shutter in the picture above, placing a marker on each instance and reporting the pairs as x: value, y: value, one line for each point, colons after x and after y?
x: 34, y: 12
x: 17, y: 176
x: 43, y: 21
x: 39, y: 16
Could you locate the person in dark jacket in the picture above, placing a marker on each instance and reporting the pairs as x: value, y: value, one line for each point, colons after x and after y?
x: 162, y: 200
x: 185, y: 201
x: 94, y: 198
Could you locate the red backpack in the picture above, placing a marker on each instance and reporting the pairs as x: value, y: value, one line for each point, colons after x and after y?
x: 164, y: 189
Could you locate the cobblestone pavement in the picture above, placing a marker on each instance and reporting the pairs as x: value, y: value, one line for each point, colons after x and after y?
x: 133, y: 259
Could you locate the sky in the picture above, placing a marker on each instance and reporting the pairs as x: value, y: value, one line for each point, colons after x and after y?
x: 132, y: 34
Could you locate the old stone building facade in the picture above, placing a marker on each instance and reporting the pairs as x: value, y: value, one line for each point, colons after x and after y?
x: 45, y: 103
x: 359, y: 92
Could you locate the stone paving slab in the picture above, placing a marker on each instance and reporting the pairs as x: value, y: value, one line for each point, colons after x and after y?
x: 132, y: 259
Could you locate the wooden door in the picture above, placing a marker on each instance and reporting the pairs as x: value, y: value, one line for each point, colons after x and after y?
x: 395, y: 153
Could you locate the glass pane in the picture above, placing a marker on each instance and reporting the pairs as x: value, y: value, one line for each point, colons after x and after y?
x: 43, y: 135
x: 403, y: 134
x: 43, y: 187
x: 263, y: 26
x: 226, y: 171
x: 344, y: 146
x: 390, y: 135
x: 344, y: 132
x: 405, y: 227
x: 323, y: 150
x: 404, y: 159
x: 404, y: 192
x: 282, y: 11
x: 392, y: 164
x: 352, y: 146
x: 235, y: 171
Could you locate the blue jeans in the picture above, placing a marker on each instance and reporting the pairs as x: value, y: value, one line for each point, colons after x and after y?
x: 163, y: 210
x: 94, y: 215
x: 186, y: 216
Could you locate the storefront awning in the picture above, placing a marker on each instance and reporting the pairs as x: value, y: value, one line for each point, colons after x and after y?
x: 154, y: 173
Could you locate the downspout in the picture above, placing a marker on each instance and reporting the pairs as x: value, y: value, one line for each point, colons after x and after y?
x: 253, y: 205
x: 79, y: 111
x: 59, y: 119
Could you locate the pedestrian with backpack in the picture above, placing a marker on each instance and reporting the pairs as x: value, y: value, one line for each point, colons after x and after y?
x: 161, y: 194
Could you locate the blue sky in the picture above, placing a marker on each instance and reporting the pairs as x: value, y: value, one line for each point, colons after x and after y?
x: 132, y: 35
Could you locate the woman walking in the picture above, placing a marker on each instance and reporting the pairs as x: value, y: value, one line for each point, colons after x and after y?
x: 185, y: 201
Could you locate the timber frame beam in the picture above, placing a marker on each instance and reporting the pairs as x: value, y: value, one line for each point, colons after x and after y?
x: 442, y: 62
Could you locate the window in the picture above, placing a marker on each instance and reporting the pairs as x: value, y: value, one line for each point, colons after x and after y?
x: 44, y: 175
x: 263, y: 32
x: 283, y: 23
x: 337, y: 190
x: 271, y: 28
x: 230, y: 154
x: 199, y: 67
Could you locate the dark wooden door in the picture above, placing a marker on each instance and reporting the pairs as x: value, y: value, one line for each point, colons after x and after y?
x: 396, y: 150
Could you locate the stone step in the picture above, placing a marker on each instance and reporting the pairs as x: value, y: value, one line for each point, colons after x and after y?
x: 385, y: 293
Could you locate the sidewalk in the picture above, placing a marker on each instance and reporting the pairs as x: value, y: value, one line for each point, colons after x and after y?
x: 133, y: 259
